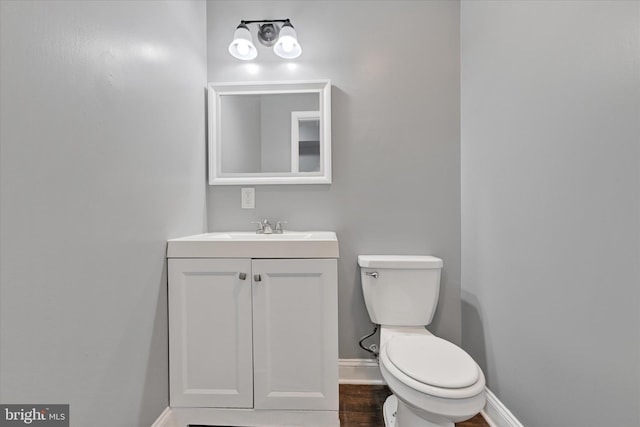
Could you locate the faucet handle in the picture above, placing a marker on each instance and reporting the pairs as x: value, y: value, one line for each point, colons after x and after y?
x: 260, y: 228
x: 279, y: 228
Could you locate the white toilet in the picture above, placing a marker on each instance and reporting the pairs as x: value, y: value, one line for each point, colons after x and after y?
x: 434, y: 382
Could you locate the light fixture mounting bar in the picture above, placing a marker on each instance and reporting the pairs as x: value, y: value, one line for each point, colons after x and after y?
x: 265, y: 21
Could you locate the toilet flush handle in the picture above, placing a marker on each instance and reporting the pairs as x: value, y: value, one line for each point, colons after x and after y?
x: 373, y: 274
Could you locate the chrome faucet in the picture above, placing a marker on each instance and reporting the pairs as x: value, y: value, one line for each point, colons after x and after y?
x: 264, y: 227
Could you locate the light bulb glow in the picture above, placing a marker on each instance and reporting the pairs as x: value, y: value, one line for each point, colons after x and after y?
x: 242, y: 48
x: 287, y: 44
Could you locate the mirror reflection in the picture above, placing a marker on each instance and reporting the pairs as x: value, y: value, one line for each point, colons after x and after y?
x: 257, y: 133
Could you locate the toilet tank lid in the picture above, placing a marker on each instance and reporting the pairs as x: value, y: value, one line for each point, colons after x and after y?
x: 414, y: 262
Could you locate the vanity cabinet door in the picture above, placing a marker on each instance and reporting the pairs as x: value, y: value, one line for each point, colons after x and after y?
x: 210, y: 337
x: 295, y: 324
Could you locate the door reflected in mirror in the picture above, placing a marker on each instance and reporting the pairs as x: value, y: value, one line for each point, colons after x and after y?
x: 269, y: 133
x: 305, y: 141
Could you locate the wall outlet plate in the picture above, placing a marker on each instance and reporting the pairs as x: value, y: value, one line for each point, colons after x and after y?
x: 248, y: 197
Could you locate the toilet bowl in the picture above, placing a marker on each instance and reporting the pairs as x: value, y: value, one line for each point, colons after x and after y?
x: 434, y: 382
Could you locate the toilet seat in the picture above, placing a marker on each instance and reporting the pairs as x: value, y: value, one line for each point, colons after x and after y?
x: 432, y: 361
x: 404, y: 345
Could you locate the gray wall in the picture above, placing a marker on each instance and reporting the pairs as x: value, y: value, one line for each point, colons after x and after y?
x: 396, y: 163
x: 102, y: 160
x: 550, y: 207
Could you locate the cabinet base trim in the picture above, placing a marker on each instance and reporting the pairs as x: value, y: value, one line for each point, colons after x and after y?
x: 253, y: 418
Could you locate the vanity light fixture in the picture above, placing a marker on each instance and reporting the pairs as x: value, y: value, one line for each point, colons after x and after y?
x: 283, y: 39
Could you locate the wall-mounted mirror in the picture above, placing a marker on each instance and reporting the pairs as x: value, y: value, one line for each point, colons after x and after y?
x: 270, y: 133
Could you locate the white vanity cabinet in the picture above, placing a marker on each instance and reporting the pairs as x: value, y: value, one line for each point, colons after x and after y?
x: 253, y: 341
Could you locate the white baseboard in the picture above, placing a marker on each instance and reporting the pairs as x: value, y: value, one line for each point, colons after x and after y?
x: 496, y: 414
x: 165, y: 419
x: 359, y: 371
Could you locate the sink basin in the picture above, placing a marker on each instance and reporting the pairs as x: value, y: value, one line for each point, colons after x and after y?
x: 246, y: 244
x: 247, y: 235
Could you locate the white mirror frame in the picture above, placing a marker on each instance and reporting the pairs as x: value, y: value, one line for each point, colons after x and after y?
x: 216, y: 90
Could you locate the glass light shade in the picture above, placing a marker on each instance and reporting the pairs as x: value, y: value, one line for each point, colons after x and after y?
x: 287, y: 45
x: 242, y: 45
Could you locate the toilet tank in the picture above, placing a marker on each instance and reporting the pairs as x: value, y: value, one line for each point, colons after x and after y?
x: 400, y: 290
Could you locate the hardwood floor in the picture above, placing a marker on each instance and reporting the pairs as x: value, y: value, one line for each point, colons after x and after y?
x: 361, y: 406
